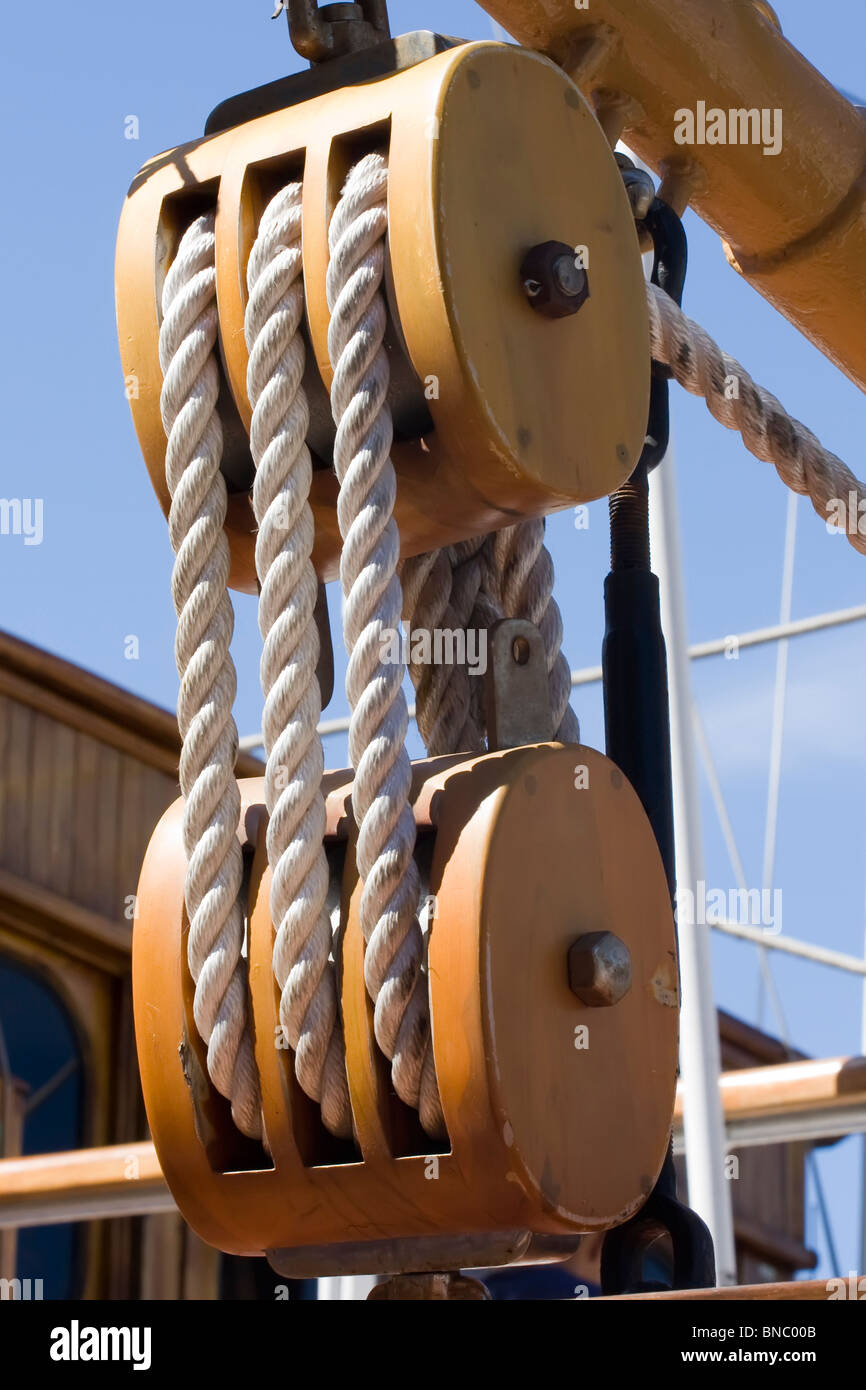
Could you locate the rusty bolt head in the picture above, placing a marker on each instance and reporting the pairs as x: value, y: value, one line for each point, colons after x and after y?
x: 555, y: 284
x: 599, y: 969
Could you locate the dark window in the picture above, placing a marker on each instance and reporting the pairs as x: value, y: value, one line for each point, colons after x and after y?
x: 39, y: 1048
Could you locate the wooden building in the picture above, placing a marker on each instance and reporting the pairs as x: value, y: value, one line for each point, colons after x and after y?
x: 86, y: 770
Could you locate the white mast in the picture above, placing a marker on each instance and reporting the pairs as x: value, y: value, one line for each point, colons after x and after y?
x: 700, y: 1062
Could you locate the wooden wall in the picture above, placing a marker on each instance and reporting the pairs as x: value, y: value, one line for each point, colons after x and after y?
x: 75, y: 813
x: 86, y: 771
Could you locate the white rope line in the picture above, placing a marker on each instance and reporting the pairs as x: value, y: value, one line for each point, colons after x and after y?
x: 437, y: 596
x: 207, y: 675
x: 486, y: 608
x: 309, y: 1008
x: 768, y: 431
x: 474, y: 612
x: 520, y: 579
x: 373, y: 606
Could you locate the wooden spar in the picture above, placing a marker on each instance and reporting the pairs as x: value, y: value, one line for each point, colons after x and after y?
x: 796, y: 220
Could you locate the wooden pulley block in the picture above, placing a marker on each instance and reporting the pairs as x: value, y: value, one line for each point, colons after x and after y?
x: 554, y: 1007
x: 500, y: 411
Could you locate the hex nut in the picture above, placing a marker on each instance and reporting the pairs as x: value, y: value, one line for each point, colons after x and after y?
x: 599, y: 969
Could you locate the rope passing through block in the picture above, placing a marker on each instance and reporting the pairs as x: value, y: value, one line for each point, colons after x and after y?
x: 471, y: 583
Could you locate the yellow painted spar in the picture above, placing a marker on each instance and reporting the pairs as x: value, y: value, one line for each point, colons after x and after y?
x: 795, y: 222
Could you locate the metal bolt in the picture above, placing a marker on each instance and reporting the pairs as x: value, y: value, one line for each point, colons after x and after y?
x: 554, y: 282
x: 599, y: 969
x: 568, y: 276
x: 641, y: 191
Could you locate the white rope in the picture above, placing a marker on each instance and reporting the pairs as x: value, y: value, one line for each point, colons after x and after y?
x: 372, y: 609
x: 207, y: 675
x: 733, y: 398
x: 438, y: 597
x: 309, y: 1009
x: 475, y: 609
x: 520, y: 580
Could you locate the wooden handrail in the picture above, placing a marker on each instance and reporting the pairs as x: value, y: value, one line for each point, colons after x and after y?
x: 790, y: 1088
x: 86, y: 1184
x: 126, y: 1179
x: 801, y: 1291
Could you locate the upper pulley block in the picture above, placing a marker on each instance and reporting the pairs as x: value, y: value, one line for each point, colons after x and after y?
x: 500, y: 412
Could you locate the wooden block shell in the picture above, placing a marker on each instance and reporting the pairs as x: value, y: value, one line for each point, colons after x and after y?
x: 491, y: 150
x: 558, y: 1114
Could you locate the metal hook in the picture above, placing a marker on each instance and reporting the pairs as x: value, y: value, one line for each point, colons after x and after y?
x: 320, y: 34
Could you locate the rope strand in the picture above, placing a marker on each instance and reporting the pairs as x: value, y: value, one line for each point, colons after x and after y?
x: 373, y: 606
x: 208, y: 680
x: 733, y: 398
x: 309, y: 1008
x: 520, y: 579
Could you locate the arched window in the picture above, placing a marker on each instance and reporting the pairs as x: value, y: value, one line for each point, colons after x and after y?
x: 41, y: 1111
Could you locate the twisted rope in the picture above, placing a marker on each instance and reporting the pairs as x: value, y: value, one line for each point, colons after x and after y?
x: 768, y: 431
x: 437, y: 596
x: 309, y: 1011
x: 373, y: 608
x: 473, y: 609
x: 207, y: 675
x: 519, y: 580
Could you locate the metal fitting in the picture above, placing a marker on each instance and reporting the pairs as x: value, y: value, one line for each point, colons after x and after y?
x: 320, y: 33
x: 554, y: 281
x: 641, y: 191
x: 599, y: 969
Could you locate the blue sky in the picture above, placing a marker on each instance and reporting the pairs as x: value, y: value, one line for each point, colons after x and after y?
x: 70, y: 78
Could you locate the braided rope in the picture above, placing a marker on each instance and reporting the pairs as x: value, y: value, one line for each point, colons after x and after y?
x: 309, y: 1011
x: 520, y: 580
x: 207, y: 675
x: 768, y: 431
x: 373, y: 608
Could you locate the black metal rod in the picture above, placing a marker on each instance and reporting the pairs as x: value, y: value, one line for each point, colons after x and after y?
x: 638, y: 740
x: 634, y: 665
